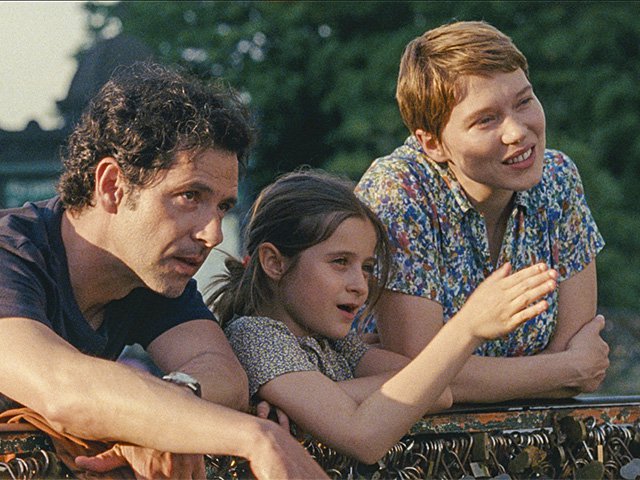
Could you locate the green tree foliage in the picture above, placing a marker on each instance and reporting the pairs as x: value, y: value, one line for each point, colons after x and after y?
x: 320, y: 77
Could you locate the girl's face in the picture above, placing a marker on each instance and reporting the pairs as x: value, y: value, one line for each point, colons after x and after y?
x: 329, y: 283
x: 494, y: 140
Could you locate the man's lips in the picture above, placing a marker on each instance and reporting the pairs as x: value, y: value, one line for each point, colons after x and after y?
x: 190, y: 263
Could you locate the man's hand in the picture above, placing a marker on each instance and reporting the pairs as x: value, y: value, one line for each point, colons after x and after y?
x: 146, y: 463
x: 589, y: 356
x: 277, y: 455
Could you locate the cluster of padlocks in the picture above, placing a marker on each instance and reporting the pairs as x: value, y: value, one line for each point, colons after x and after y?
x: 36, y: 464
x: 592, y: 440
x: 573, y: 449
x: 589, y: 441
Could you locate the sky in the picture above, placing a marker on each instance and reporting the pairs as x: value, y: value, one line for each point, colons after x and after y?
x: 38, y: 41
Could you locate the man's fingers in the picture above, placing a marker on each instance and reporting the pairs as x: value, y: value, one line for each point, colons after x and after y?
x: 200, y: 472
x: 184, y: 466
x: 103, y: 462
x: 599, y: 322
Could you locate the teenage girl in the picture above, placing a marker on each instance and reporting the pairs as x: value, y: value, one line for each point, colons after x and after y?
x: 316, y: 255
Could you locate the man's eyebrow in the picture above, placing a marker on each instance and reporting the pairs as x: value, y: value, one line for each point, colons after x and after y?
x: 232, y: 201
x: 199, y: 186
x: 205, y: 188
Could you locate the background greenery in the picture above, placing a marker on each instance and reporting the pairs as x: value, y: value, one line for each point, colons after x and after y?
x: 320, y: 77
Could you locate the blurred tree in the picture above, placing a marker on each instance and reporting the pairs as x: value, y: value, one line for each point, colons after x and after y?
x: 320, y: 77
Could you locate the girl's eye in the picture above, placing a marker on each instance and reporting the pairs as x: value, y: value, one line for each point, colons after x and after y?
x: 340, y: 261
x: 368, y: 268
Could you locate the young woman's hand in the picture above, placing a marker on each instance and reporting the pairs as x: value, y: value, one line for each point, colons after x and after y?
x: 504, y: 300
x: 589, y: 356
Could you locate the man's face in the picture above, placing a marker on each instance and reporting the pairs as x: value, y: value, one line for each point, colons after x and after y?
x: 164, y: 232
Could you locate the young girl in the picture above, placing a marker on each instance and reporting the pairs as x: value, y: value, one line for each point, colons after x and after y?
x: 315, y: 256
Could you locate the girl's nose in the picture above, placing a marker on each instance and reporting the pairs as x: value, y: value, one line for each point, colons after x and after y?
x: 359, y: 282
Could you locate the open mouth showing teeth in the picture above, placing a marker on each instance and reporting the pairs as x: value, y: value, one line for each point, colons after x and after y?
x: 520, y: 158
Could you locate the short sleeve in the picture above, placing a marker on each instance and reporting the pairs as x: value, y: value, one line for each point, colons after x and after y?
x: 352, y: 348
x: 266, y: 349
x: 22, y: 290
x: 396, y: 194
x: 153, y: 314
x: 579, y: 240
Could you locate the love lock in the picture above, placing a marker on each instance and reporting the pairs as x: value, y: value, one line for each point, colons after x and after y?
x: 593, y: 470
x: 557, y: 457
x: 480, y: 447
x: 631, y: 470
x: 479, y: 470
x: 634, y: 445
x: 530, y: 457
x: 519, y: 463
x: 574, y: 430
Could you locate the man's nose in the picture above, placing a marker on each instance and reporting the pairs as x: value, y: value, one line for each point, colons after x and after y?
x: 210, y: 233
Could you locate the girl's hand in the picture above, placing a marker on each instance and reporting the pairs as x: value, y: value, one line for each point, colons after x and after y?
x: 505, y: 300
x: 268, y: 412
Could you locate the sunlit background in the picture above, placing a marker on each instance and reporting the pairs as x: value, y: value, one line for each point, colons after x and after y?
x: 39, y: 42
x: 320, y: 79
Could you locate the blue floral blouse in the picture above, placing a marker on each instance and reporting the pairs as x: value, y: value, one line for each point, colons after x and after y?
x: 441, y: 244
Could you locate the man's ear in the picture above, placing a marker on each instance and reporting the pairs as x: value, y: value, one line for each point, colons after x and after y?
x: 272, y: 261
x: 110, y: 185
x: 431, y: 146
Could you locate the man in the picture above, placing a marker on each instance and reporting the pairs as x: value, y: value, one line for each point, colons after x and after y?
x: 150, y: 171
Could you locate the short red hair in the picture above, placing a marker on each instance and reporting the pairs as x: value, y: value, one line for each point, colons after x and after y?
x: 432, y: 64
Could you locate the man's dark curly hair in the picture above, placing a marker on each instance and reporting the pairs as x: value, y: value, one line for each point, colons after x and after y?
x: 142, y: 117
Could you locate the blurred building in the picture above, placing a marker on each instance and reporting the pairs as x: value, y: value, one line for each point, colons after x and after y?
x: 30, y: 158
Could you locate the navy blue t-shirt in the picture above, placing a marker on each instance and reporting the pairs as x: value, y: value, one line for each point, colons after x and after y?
x: 35, y: 284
